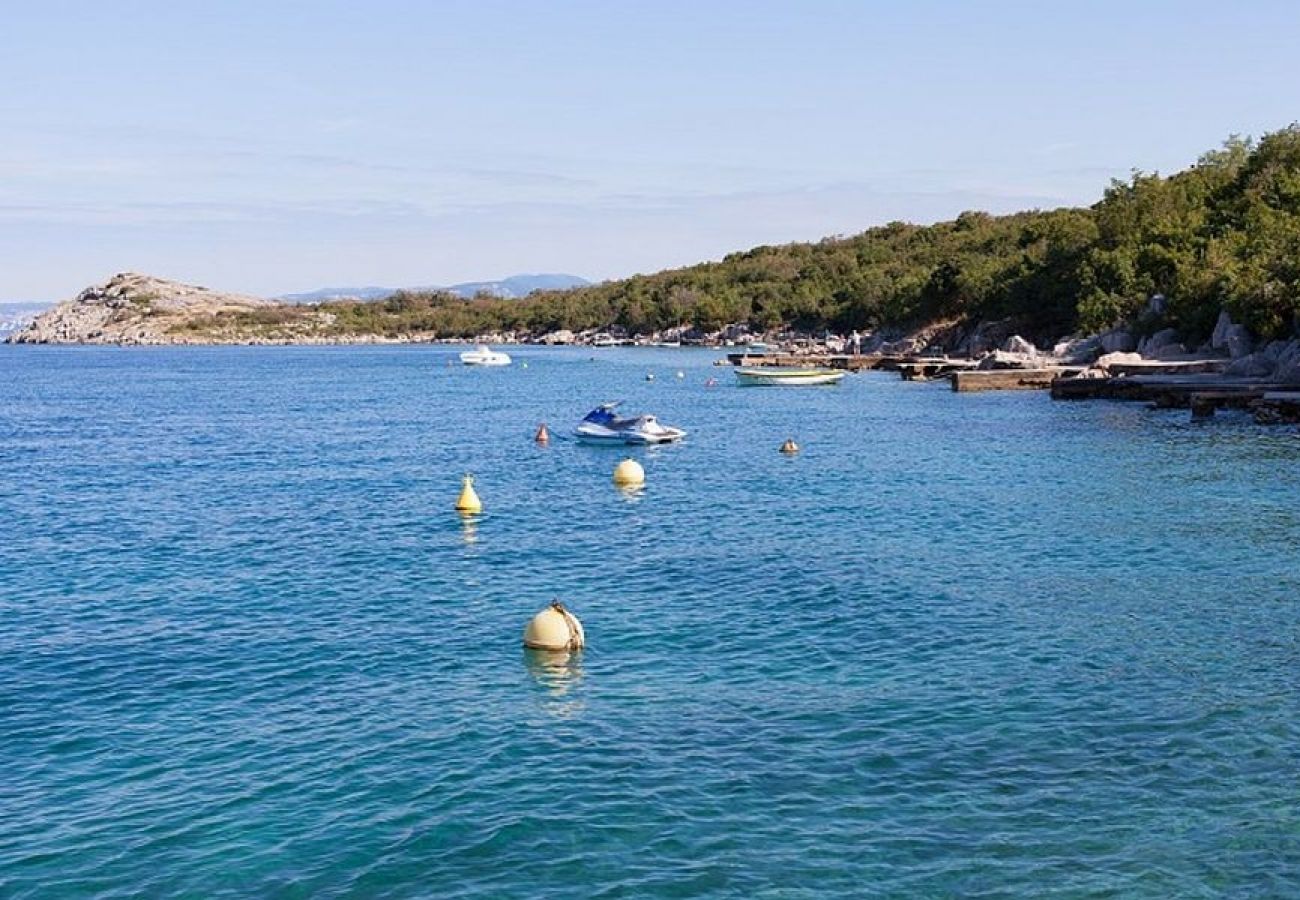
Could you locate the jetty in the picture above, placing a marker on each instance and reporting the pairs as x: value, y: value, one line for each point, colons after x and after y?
x: 1010, y: 379
x: 911, y: 367
x: 1198, y: 385
x: 852, y: 362
x: 1201, y: 393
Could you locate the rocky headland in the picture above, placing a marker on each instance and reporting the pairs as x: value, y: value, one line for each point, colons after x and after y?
x: 131, y: 308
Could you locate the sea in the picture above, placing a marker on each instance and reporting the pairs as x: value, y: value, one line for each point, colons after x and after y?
x: 958, y: 646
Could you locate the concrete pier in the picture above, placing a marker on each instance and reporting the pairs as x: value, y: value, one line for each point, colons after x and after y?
x: 1202, y: 394
x: 1278, y: 407
x: 852, y: 362
x: 1008, y: 379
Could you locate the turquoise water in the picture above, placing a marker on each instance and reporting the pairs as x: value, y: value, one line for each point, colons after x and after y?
x: 971, y: 645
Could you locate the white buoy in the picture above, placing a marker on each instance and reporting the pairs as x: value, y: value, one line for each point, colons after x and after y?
x: 468, y: 503
x: 681, y: 374
x: 554, y: 628
x: 629, y: 473
x: 789, y: 448
x: 649, y: 376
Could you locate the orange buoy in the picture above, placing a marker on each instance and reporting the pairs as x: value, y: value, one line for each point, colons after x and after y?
x: 543, y: 436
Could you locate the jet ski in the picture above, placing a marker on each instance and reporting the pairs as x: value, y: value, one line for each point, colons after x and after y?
x: 603, y: 426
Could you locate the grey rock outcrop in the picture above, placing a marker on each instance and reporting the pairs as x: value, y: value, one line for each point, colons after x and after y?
x: 1163, y: 345
x: 1117, y: 340
x: 984, y: 337
x: 1017, y: 344
x: 131, y: 309
x: 1233, y: 339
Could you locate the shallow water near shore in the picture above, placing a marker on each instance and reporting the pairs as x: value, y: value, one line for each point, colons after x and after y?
x: 960, y: 645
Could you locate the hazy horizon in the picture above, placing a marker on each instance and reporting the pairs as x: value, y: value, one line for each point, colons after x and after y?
x: 278, y: 150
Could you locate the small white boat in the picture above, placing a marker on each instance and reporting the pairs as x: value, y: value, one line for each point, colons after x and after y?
x: 603, y: 426
x: 787, y: 375
x: 484, y: 356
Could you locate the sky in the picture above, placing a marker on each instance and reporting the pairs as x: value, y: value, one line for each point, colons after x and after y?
x: 270, y: 147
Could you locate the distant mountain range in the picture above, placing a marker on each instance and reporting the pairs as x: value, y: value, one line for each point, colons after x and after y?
x: 15, y: 314
x: 514, y: 286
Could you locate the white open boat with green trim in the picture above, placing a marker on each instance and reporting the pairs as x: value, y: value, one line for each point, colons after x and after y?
x: 786, y: 375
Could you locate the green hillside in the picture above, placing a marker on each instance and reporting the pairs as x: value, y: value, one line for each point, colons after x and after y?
x: 1225, y: 233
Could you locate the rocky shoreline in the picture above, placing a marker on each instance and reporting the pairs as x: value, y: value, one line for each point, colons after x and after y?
x: 141, y: 310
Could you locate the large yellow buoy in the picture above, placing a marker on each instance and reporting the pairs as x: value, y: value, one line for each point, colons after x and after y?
x: 629, y: 473
x: 554, y: 628
x: 789, y: 448
x: 543, y: 436
x: 468, y: 502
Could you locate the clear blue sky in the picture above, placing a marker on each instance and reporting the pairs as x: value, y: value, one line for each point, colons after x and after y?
x: 270, y: 147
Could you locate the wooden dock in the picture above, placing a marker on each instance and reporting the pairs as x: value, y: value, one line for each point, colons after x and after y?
x: 1009, y: 379
x: 1203, y: 394
x: 920, y: 368
x: 1278, y: 407
x: 852, y: 362
x: 1169, y: 367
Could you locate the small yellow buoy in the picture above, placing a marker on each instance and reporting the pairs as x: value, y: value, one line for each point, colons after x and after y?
x: 789, y: 448
x: 629, y: 473
x: 468, y: 503
x: 543, y: 436
x: 554, y: 628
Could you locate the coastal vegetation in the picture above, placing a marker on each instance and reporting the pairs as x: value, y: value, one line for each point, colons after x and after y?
x: 1221, y: 235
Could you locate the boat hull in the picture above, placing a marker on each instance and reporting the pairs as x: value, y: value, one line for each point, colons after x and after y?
x: 772, y: 376
x: 592, y: 436
x: 484, y: 357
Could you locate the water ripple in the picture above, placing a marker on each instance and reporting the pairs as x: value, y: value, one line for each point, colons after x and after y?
x: 959, y: 646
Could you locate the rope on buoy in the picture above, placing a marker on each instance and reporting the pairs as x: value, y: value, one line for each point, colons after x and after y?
x: 554, y: 628
x: 576, y: 637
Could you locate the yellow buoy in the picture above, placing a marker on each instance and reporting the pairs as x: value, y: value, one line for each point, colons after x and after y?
x: 789, y: 447
x: 543, y: 436
x: 468, y: 501
x: 554, y: 628
x: 629, y: 473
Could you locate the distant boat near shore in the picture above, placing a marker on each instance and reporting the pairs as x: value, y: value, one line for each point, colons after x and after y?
x: 783, y: 375
x: 483, y: 355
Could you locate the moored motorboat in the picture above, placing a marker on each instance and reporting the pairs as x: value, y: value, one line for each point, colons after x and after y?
x: 603, y: 426
x: 787, y: 375
x: 484, y: 356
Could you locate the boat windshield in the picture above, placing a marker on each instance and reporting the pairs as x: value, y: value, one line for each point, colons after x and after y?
x: 601, y: 415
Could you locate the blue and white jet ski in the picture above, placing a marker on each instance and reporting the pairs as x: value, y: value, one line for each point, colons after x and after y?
x: 603, y: 426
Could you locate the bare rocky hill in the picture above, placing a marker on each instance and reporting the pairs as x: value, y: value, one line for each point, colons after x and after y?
x: 132, y: 309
